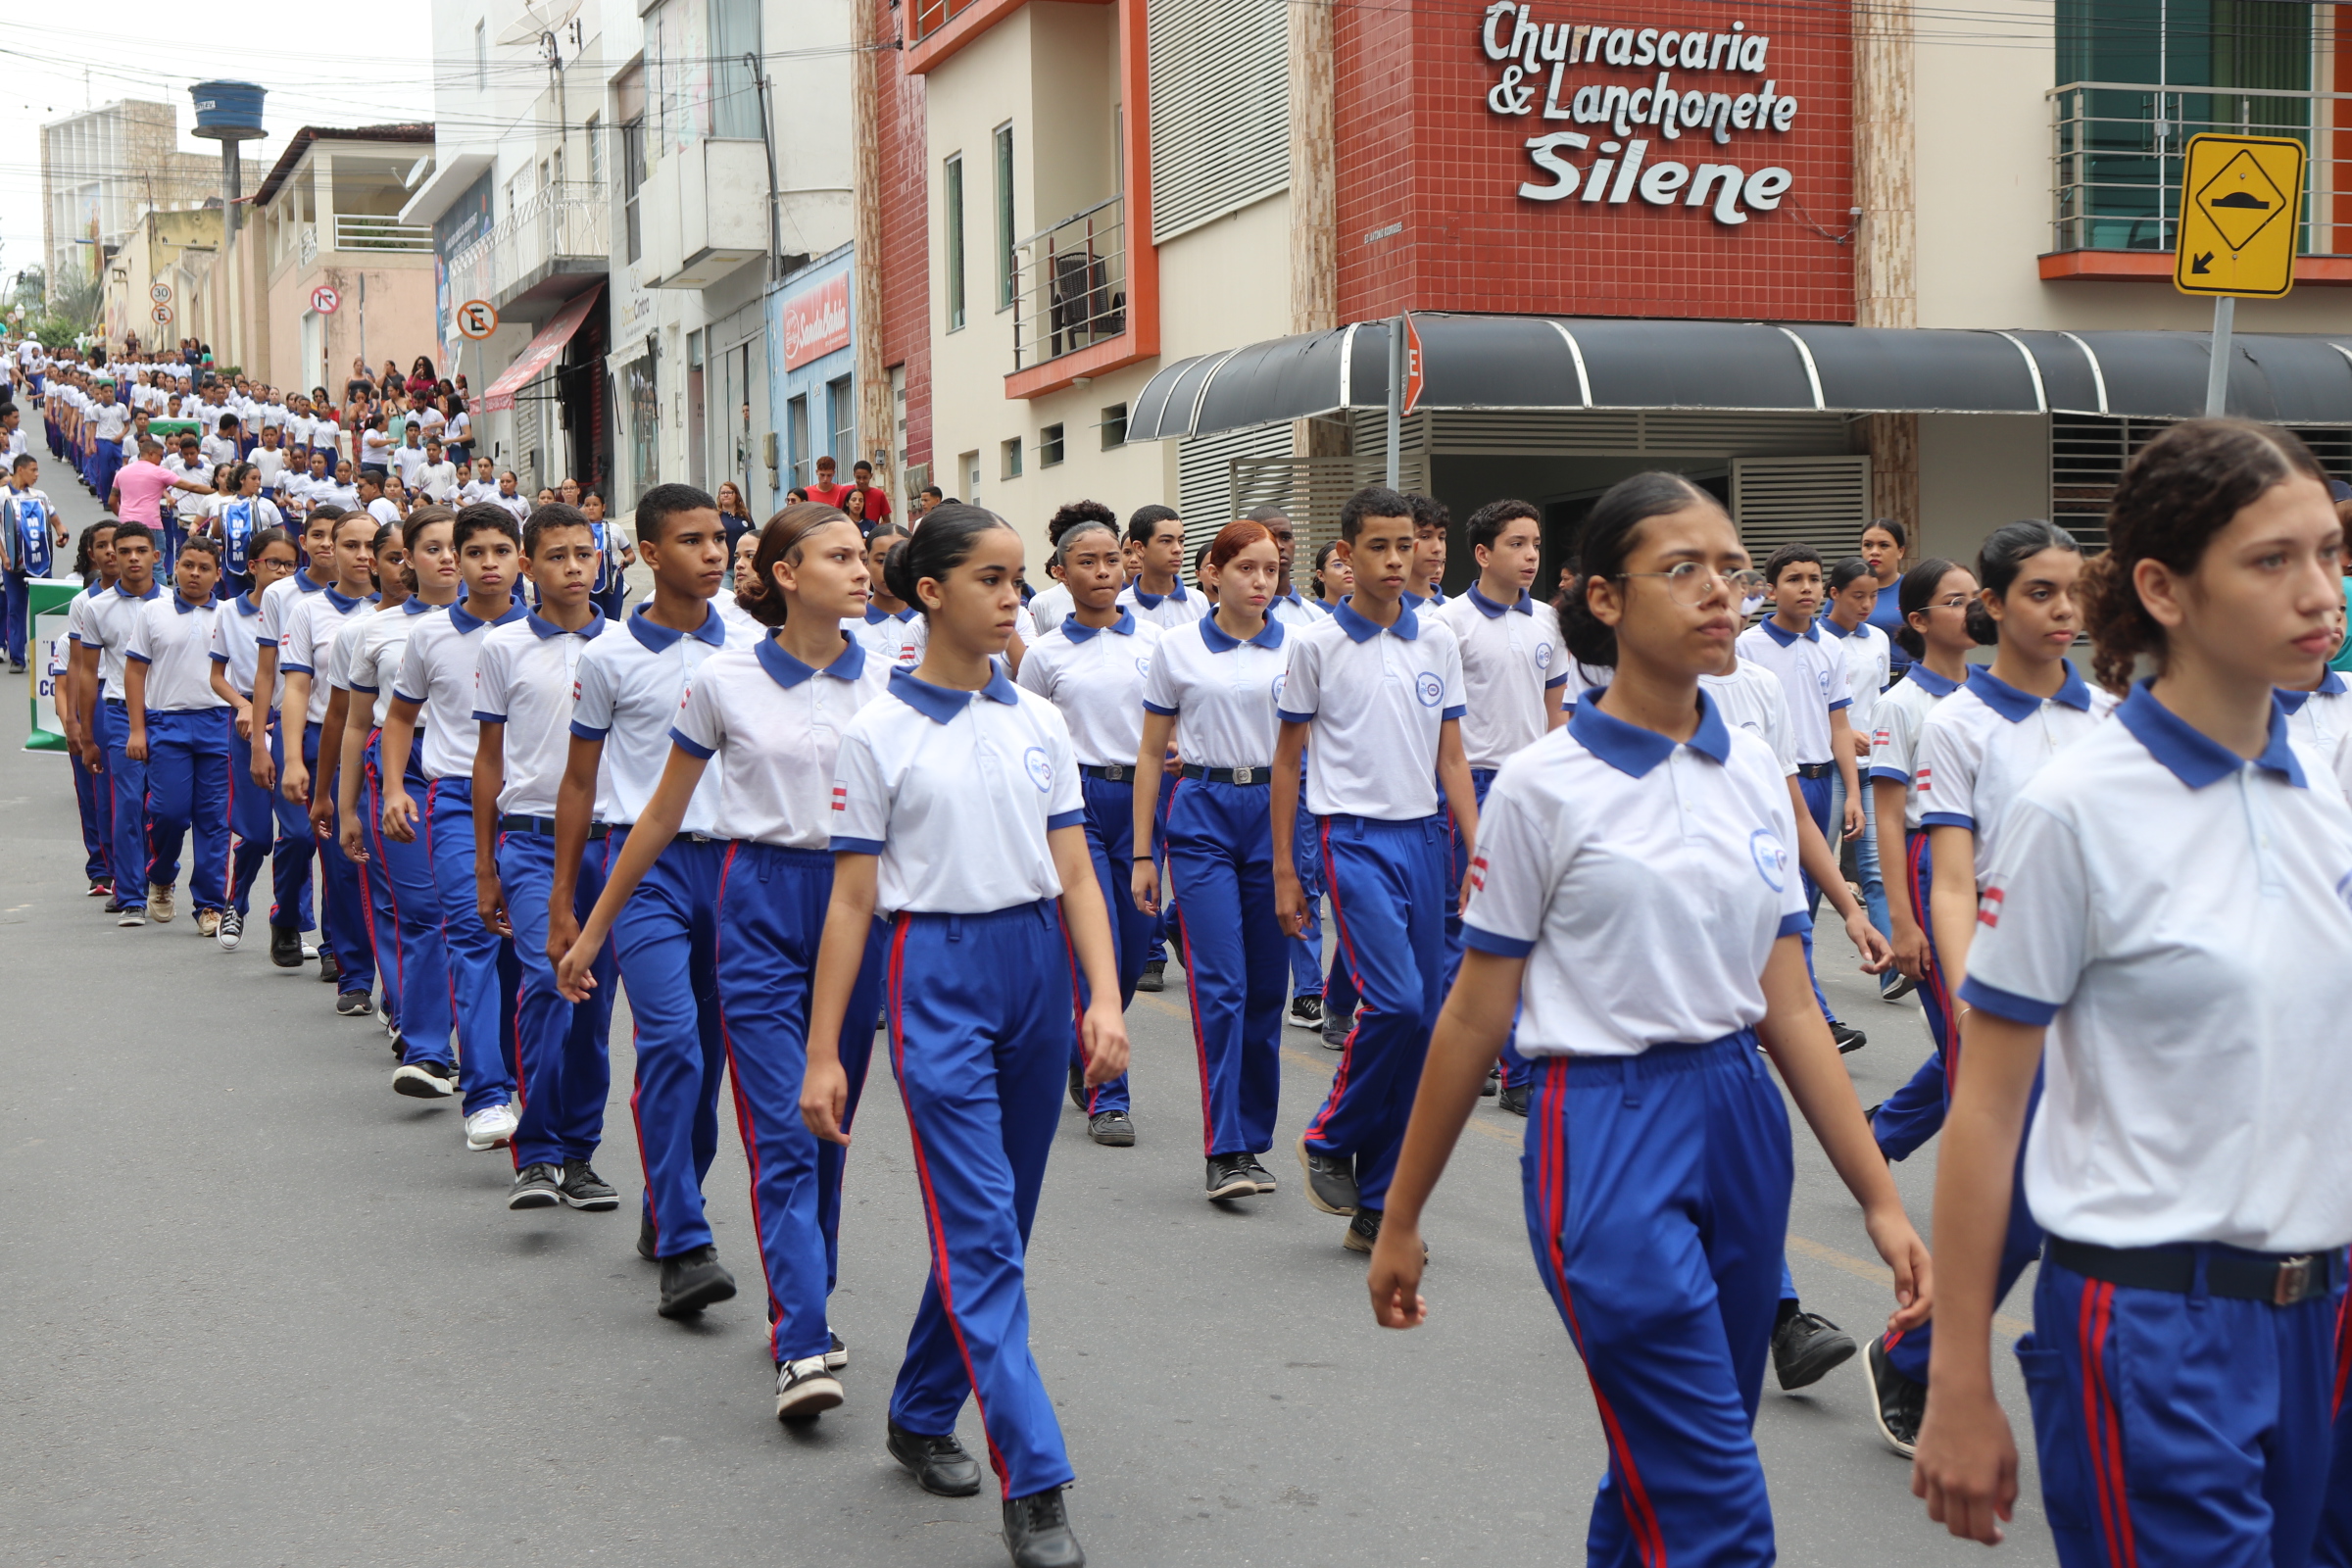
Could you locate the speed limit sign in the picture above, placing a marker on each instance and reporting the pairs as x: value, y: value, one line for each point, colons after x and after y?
x: 160, y: 293
x: 163, y: 315
x: 476, y: 319
x: 325, y: 299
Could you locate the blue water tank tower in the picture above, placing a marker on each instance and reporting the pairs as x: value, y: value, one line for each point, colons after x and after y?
x: 228, y: 112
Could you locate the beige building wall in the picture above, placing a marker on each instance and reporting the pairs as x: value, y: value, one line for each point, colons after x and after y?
x: 1976, y: 473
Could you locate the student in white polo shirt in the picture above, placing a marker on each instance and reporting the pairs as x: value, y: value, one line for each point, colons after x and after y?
x: 179, y: 730
x: 252, y: 821
x: 2159, y: 901
x: 1869, y: 660
x: 523, y: 683
x: 98, y: 676
x: 1632, y: 887
x: 957, y: 813
x: 1372, y: 700
x: 1157, y: 594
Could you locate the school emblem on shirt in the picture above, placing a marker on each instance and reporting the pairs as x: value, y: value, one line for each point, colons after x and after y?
x: 1772, y: 858
x: 1143, y: 666
x: 1821, y: 678
x: 1041, y: 772
x: 1279, y: 681
x: 1430, y: 689
x: 1988, y: 907
x: 1542, y: 656
x: 2343, y: 888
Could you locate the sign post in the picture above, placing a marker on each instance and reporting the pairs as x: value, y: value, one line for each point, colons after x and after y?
x: 2241, y: 218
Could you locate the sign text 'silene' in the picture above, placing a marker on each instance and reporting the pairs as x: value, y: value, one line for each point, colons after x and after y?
x: 1708, y: 101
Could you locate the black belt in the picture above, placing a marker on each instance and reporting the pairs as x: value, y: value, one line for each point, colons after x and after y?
x: 1263, y: 773
x: 545, y: 827
x: 700, y: 838
x: 1815, y: 769
x: 2277, y: 1278
x: 1114, y: 773
x: 114, y: 701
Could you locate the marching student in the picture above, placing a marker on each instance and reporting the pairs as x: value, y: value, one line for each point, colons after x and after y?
x: 244, y: 512
x: 611, y: 540
x: 311, y: 625
x: 1324, y: 1002
x: 417, y: 955
x: 252, y: 819
x: 297, y: 847
x: 890, y: 623
x: 98, y: 674
x: 1513, y: 671
x: 631, y: 686
x: 1935, y: 597
x: 1631, y: 888
x: 957, y: 813
x: 1093, y: 664
x: 177, y: 729
x: 1813, y: 674
x: 1853, y: 593
x: 1051, y: 604
x: 29, y: 537
x: 1431, y: 523
x: 342, y: 738
x: 1977, y: 751
x: 770, y: 716
x: 436, y: 680
x: 1212, y: 691
x: 1157, y: 594
x: 2188, y: 1156
x: 93, y: 788
x: 522, y: 701
x: 1375, y: 698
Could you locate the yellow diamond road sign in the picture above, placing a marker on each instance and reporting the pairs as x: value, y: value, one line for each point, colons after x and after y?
x: 2242, y: 215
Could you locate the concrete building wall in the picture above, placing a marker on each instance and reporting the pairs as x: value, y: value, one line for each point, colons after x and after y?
x: 1976, y: 473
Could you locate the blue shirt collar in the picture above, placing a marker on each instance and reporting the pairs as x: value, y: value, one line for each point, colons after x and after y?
x: 2017, y: 707
x: 414, y: 605
x: 1078, y: 631
x: 1525, y: 604
x: 344, y: 604
x: 788, y: 672
x: 1773, y: 630
x: 941, y: 703
x: 303, y: 584
x: 875, y: 616
x: 153, y: 589
x: 1154, y: 601
x: 1926, y: 680
x: 1634, y: 750
x: 1826, y: 623
x: 2330, y: 685
x: 546, y: 629
x: 179, y: 602
x: 2194, y: 758
x: 245, y: 604
x: 467, y: 621
x: 1360, y: 630
x: 1221, y: 641
x: 658, y: 638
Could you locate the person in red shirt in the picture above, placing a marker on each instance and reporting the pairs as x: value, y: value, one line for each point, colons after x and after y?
x: 825, y: 492
x: 877, y: 505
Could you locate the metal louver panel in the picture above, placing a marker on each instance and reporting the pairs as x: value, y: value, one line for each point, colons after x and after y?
x: 1213, y: 489
x: 1220, y: 109
x: 1821, y: 501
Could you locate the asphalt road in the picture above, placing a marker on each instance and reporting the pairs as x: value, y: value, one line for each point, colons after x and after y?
x: 259, y: 1310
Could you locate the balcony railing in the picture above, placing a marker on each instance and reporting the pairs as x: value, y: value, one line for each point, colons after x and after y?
x: 306, y: 246
x: 2118, y: 149
x: 370, y: 231
x: 932, y: 14
x: 567, y: 220
x: 1069, y: 285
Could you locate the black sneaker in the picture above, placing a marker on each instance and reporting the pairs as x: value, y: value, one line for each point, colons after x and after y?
x: 647, y: 1238
x: 285, y: 946
x: 1897, y: 1403
x: 1903, y: 986
x: 1513, y: 1099
x: 805, y: 1389
x: 1329, y: 1180
x: 1258, y: 1173
x: 354, y: 1004
x: 112, y: 905
x: 583, y: 1189
x: 1335, y: 1031
x: 1229, y: 1177
x: 425, y: 1080
x: 537, y: 1185
x: 1037, y: 1532
x: 1493, y: 1084
x: 1806, y: 1348
x: 329, y: 972
x: 1077, y: 1086
x: 837, y: 1351
x: 1363, y: 1230
x: 1847, y: 1037
x: 1155, y: 976
x: 400, y: 1048
x: 693, y: 1280
x: 1307, y: 1012
x: 939, y: 1464
x: 1112, y: 1129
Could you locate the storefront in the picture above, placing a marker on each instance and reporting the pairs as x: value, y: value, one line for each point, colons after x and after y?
x: 813, y: 369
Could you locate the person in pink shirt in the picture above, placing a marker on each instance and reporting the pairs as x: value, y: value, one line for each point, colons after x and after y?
x: 139, y: 488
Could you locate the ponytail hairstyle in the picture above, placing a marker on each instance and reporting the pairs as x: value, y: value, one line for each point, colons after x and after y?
x: 1603, y: 542
x: 942, y: 543
x: 1915, y: 592
x: 1231, y: 541
x: 2177, y: 493
x: 2003, y: 555
x: 1847, y: 572
x: 781, y: 541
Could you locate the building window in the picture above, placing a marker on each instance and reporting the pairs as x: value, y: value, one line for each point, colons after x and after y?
x: 596, y: 152
x: 968, y: 465
x: 1010, y: 459
x: 841, y: 410
x: 735, y: 85
x: 1005, y: 233
x: 1114, y: 426
x: 952, y: 199
x: 481, y: 57
x: 796, y: 440
x: 1048, y: 445
x: 632, y: 180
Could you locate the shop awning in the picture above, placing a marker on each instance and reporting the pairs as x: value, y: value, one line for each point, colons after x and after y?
x: 1545, y: 363
x: 540, y: 352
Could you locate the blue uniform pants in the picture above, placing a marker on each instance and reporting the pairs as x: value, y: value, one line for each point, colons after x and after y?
x: 1657, y: 1200
x: 1866, y: 855
x: 1914, y: 1113
x: 376, y: 887
x: 1236, y: 970
x: 1110, y: 842
x: 2334, y: 1548
x: 187, y: 797
x: 1515, y: 1067
x: 1306, y: 862
x: 1167, y: 922
x: 771, y: 919
x: 562, y: 1069
x: 480, y: 996
x: 94, y: 795
x: 129, y: 829
x: 420, y: 956
x: 667, y: 940
x: 1388, y: 903
x: 2178, y: 1430
x: 345, y: 895
x: 291, y: 861
x: 17, y: 590
x: 977, y: 1025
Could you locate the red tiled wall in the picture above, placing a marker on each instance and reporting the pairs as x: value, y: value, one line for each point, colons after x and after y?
x: 1418, y: 145
x: 905, y: 262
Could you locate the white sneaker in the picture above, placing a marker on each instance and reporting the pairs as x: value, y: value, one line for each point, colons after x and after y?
x: 310, y: 951
x: 491, y: 1127
x: 158, y: 904
x: 804, y: 1389
x: 231, y: 930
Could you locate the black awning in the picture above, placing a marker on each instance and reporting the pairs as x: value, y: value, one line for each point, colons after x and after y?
x: 1545, y: 363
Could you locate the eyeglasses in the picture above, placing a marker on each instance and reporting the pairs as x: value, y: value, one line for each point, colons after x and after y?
x: 1955, y: 601
x: 1691, y: 581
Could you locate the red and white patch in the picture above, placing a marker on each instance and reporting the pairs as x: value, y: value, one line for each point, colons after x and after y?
x: 1478, y: 874
x: 1988, y: 907
x: 841, y: 798
x: 1921, y: 779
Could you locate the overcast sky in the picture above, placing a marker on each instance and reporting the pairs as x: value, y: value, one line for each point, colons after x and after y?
x: 331, y: 65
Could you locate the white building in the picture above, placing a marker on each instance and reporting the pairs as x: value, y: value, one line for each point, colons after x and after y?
x: 104, y: 167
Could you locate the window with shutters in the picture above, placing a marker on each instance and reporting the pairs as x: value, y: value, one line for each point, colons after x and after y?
x: 1220, y: 110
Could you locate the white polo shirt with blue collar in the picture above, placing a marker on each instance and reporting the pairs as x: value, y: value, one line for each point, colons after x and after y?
x: 113, y: 615
x: 1169, y: 610
x: 1377, y: 700
x: 630, y: 687
x: 1223, y: 692
x: 1295, y: 608
x: 1513, y: 665
x: 1869, y: 660
x: 1983, y: 742
x: 173, y: 639
x: 1897, y: 724
x: 1812, y: 673
x: 775, y: 724
x: 1095, y: 676
x: 523, y: 680
x: 436, y: 671
x: 2321, y: 718
x: 311, y: 625
x: 235, y: 649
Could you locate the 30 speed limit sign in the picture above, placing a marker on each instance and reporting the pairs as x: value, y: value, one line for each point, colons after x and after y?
x: 160, y: 293
x: 476, y: 319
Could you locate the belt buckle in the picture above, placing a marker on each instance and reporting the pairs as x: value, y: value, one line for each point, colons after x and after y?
x: 1115, y: 772
x: 1244, y: 775
x: 2293, y: 1281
